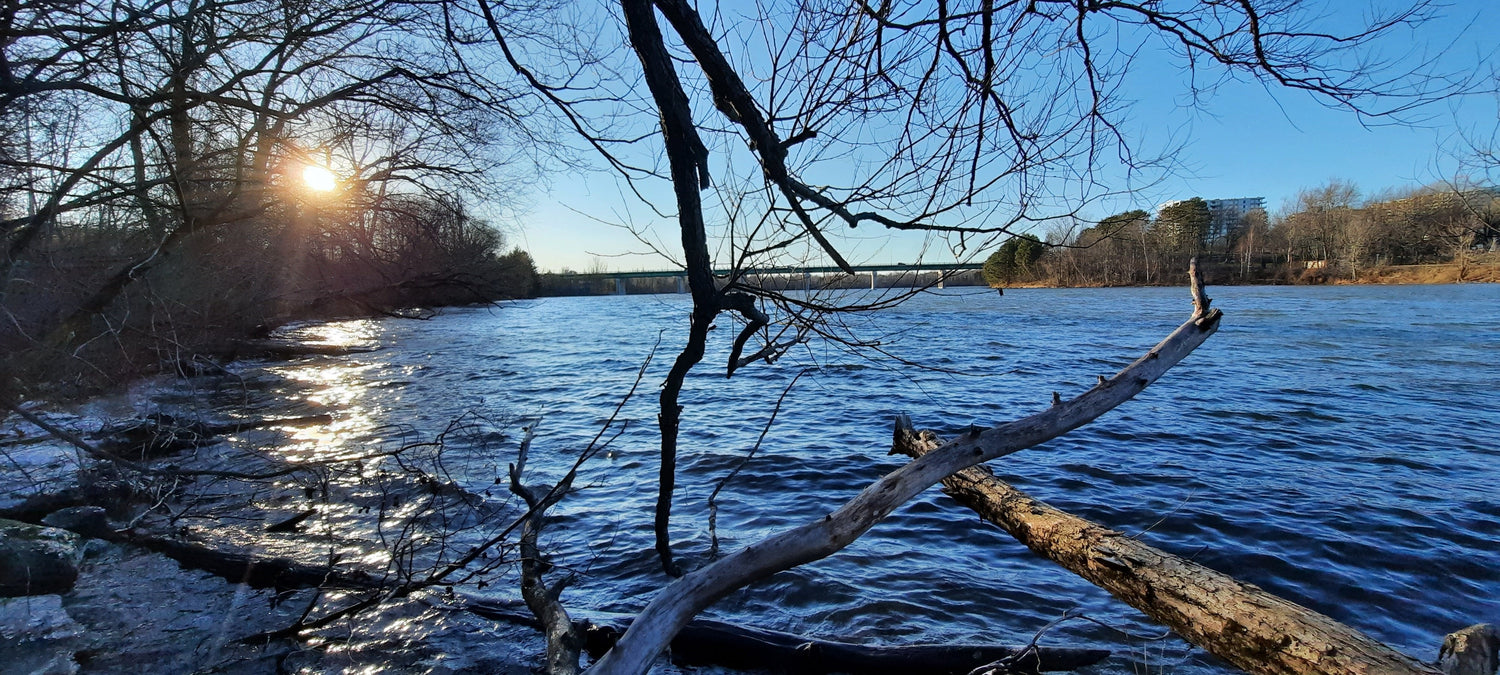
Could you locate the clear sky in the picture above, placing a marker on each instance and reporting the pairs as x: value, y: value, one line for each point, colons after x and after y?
x: 1247, y: 142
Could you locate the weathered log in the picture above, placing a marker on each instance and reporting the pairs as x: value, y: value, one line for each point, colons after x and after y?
x: 292, y: 523
x: 671, y: 609
x: 701, y: 643
x: 243, y: 568
x: 298, y: 421
x: 1235, y: 621
x: 715, y: 643
x: 154, y: 435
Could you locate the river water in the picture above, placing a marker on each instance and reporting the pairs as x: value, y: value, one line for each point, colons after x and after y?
x: 1333, y: 445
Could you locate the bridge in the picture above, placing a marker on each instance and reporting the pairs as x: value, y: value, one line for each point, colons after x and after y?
x: 806, y: 272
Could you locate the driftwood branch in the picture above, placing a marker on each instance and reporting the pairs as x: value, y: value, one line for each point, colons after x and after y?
x: 675, y: 605
x: 564, y: 643
x: 1235, y: 621
x: 701, y: 643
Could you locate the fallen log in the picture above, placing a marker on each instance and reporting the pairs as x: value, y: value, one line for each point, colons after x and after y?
x: 242, y: 568
x: 702, y: 643
x: 1233, y: 620
x: 674, y: 606
x: 715, y: 643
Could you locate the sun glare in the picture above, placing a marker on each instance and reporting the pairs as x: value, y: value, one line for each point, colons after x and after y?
x: 319, y: 179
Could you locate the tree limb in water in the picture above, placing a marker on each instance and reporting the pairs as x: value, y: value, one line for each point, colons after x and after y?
x: 1235, y: 621
x: 544, y: 600
x: 675, y: 605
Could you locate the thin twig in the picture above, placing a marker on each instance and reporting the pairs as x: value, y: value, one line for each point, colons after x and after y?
x: 713, y: 506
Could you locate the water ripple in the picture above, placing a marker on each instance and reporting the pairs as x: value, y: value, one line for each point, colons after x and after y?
x: 1333, y: 445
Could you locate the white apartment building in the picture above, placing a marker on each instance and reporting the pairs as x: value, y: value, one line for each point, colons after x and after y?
x: 1226, y: 214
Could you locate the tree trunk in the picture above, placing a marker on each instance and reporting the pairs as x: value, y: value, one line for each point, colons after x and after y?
x: 1235, y: 621
x: 688, y: 158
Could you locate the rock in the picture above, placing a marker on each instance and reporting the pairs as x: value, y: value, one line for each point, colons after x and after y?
x: 89, y: 521
x: 1472, y: 651
x: 37, y: 617
x: 36, y: 560
x: 37, y: 636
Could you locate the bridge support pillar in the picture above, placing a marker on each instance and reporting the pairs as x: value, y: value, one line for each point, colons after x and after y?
x: 942, y: 279
x: 619, y: 285
x: 873, y: 274
x: 681, y: 284
x: 807, y: 281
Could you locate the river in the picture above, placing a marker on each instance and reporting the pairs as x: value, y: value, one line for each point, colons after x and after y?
x: 1333, y: 445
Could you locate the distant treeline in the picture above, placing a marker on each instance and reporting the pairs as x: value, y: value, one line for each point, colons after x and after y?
x: 1327, y: 233
x: 176, y: 175
x: 214, y: 286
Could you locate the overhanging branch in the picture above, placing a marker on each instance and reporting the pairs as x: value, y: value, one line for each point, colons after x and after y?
x: 675, y: 605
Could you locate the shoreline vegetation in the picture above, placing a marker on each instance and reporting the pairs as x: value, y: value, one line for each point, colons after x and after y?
x: 81, y: 320
x: 1483, y: 268
x: 1476, y: 268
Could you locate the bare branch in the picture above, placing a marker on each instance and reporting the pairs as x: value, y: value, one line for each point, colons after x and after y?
x: 675, y: 605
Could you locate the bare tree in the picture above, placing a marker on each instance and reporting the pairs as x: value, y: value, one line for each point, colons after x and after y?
x: 963, y: 121
x: 146, y: 124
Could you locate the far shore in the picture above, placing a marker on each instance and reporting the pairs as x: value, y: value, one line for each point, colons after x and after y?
x: 1433, y: 274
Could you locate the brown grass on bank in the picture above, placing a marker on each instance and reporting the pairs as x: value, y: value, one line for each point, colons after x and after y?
x: 1480, y: 268
x: 1447, y: 273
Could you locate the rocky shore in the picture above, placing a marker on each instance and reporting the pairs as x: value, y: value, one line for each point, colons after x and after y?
x: 77, y: 597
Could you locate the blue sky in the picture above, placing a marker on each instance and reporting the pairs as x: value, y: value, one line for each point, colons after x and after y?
x: 1246, y: 142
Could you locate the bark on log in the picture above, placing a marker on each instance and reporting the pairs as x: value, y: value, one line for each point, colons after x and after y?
x: 160, y: 434
x: 1235, y: 621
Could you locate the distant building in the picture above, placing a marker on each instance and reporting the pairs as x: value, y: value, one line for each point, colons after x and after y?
x: 1225, y: 214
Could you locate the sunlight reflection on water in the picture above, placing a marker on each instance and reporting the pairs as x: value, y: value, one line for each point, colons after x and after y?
x: 350, y: 333
x: 1265, y: 455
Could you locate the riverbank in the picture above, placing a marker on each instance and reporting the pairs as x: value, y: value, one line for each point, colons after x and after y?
x: 1198, y: 464
x: 1484, y: 268
x: 135, y: 607
x: 1448, y: 273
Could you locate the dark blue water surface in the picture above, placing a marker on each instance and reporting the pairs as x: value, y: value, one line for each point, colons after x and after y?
x: 1336, y: 446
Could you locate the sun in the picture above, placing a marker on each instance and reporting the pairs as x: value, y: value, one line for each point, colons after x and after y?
x: 319, y: 179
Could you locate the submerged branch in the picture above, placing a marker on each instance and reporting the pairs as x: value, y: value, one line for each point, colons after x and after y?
x: 1233, y: 620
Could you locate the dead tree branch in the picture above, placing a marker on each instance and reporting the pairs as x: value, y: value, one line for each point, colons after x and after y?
x: 675, y: 605
x: 1233, y: 620
x: 564, y: 643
